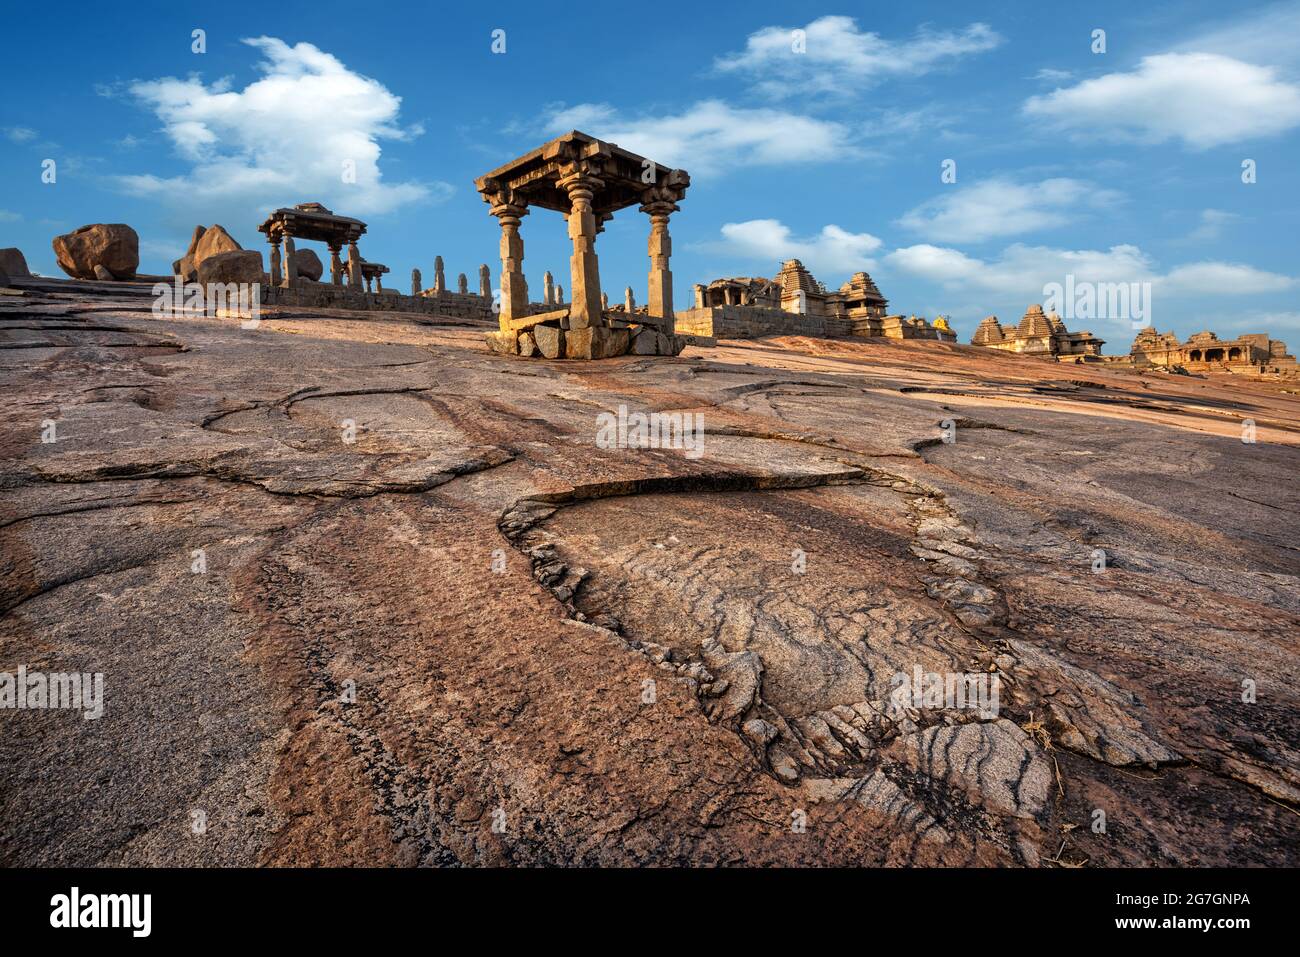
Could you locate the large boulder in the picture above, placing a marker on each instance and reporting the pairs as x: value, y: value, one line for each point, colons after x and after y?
x: 13, y: 263
x: 204, y: 244
x: 309, y: 264
x: 115, y: 246
x: 186, y: 263
x: 236, y: 265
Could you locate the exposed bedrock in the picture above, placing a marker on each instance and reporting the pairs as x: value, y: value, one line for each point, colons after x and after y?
x: 363, y: 593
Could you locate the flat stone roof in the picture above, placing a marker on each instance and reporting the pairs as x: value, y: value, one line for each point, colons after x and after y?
x: 534, y: 177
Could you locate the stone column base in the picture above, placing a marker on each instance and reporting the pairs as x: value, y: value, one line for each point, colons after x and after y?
x: 592, y: 342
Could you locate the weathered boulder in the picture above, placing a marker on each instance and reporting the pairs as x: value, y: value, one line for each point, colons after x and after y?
x: 236, y: 265
x: 204, y: 244
x: 13, y: 263
x: 309, y: 264
x: 4, y: 280
x: 115, y: 246
x: 186, y: 263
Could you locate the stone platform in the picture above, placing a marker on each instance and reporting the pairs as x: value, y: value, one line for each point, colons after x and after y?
x: 548, y: 336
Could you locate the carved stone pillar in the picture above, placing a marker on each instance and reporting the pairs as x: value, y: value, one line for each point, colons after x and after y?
x: 484, y: 281
x: 659, y: 298
x: 290, y: 263
x: 354, y: 266
x: 379, y: 282
x: 699, y: 295
x: 275, y: 262
x: 514, y: 290
x: 416, y: 282
x: 584, y: 269
x: 336, y: 267
x: 462, y: 284
x: 548, y: 288
x: 439, y: 279
x: 629, y: 302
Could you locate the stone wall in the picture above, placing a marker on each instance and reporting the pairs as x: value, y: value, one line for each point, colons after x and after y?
x: 751, y: 322
x: 329, y: 296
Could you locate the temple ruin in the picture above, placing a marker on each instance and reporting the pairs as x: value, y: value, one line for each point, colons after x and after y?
x: 1255, y: 353
x: 1038, y: 334
x: 795, y: 303
x: 313, y: 222
x: 586, y: 180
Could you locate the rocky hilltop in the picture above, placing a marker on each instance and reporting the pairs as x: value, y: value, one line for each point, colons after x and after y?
x: 364, y: 593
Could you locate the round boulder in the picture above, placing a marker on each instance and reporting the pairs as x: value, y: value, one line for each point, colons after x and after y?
x: 309, y: 264
x: 115, y: 246
x: 237, y: 266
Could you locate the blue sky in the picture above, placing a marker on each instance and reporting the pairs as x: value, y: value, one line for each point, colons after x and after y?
x: 1115, y: 166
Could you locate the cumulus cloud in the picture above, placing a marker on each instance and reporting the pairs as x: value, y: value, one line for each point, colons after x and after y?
x: 1203, y: 99
x: 1020, y: 272
x: 839, y: 58
x: 712, y: 136
x: 1003, y: 207
x: 766, y: 242
x: 284, y: 138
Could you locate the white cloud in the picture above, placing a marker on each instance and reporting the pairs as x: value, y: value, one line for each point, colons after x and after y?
x: 1049, y: 75
x: 1275, y: 324
x: 1204, y: 99
x: 1266, y: 36
x: 832, y: 252
x: 839, y: 58
x: 1212, y: 223
x: 1220, y: 278
x: 1020, y: 272
x: 20, y: 134
x: 1002, y: 207
x: 282, y: 139
x: 712, y: 136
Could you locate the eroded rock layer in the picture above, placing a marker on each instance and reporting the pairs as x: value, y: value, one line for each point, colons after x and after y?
x: 364, y: 593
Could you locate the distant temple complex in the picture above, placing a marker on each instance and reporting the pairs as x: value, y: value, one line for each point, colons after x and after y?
x: 1037, y: 334
x: 1206, y: 352
x: 795, y: 303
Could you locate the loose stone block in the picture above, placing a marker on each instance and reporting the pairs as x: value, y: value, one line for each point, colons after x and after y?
x: 645, y: 342
x: 503, y: 343
x: 596, y: 342
x: 527, y: 345
x: 550, y: 341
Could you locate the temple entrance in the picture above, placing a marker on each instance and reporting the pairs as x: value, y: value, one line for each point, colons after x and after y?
x: 1213, y: 355
x: 1234, y: 354
x: 1194, y: 356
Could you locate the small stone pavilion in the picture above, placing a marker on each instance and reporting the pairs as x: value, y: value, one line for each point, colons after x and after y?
x: 586, y: 180
x: 313, y: 222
